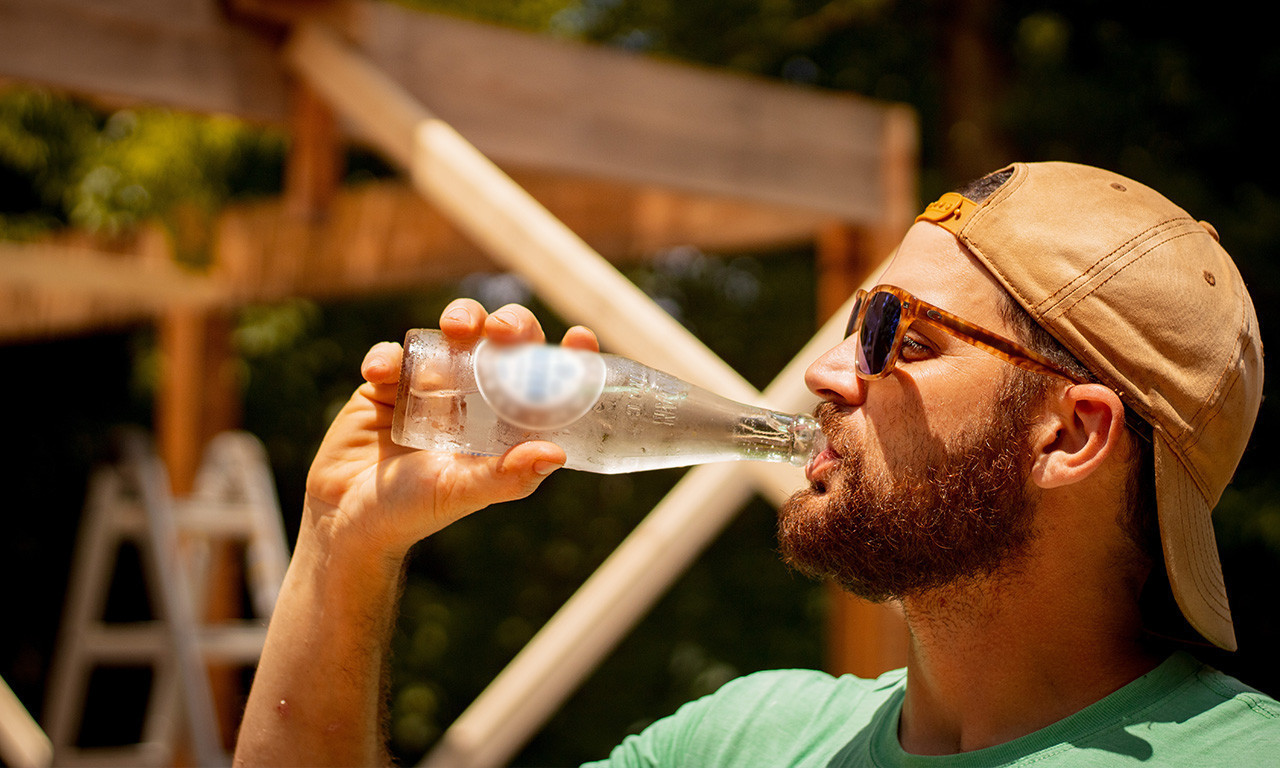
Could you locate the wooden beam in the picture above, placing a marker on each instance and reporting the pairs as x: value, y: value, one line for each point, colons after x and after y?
x: 198, y: 398
x: 376, y: 237
x: 69, y: 285
x: 525, y: 100
x: 531, y: 100
x: 22, y: 742
x: 150, y: 281
x: 314, y: 167
x: 180, y: 53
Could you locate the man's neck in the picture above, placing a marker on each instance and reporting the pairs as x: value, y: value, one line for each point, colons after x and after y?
x: 993, y: 661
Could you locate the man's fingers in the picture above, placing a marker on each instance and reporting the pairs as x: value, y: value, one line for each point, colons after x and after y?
x: 460, y: 485
x: 514, y: 323
x: 463, y: 319
x: 518, y: 472
x: 382, y: 363
x: 581, y: 337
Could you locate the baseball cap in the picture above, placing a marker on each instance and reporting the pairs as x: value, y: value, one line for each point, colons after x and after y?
x: 1147, y: 299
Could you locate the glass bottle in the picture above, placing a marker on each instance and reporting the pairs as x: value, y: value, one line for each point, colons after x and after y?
x: 610, y: 414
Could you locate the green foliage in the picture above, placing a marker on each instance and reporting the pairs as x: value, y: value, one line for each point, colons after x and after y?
x: 67, y: 164
x: 40, y: 141
x: 526, y: 14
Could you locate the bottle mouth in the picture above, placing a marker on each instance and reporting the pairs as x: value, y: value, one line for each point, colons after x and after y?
x: 807, y: 439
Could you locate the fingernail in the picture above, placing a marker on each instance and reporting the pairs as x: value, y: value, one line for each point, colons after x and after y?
x: 459, y: 314
x: 545, y: 467
x: 506, y: 318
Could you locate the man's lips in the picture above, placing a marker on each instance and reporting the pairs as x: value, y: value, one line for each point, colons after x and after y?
x: 820, y: 465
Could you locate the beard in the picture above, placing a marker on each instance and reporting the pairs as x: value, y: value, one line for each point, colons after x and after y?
x: 950, y: 515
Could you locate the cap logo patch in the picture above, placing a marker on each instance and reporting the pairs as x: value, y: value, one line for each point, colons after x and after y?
x: 950, y: 211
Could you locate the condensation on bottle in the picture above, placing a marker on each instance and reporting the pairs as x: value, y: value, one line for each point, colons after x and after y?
x: 610, y: 414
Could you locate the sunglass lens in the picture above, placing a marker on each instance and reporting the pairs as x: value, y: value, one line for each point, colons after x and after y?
x: 853, y: 316
x: 879, y: 325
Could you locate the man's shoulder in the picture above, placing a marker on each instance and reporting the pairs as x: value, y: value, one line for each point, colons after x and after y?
x: 1197, y: 716
x: 1232, y: 711
x: 1228, y: 688
x: 811, y: 685
x: 1199, y: 690
x: 793, y: 717
x: 792, y: 697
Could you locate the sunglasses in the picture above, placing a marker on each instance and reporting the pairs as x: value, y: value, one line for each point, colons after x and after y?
x: 881, y: 317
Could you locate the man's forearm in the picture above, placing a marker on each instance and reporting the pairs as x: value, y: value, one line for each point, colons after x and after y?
x: 318, y: 692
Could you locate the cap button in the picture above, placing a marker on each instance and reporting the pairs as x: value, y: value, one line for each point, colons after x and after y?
x: 1212, y: 232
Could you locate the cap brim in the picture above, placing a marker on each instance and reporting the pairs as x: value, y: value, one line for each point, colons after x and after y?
x: 1191, y: 549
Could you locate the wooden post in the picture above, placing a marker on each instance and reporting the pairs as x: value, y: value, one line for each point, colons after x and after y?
x: 198, y: 395
x: 863, y: 638
x: 312, y: 173
x: 199, y: 398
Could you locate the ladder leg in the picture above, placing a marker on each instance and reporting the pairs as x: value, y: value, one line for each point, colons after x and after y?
x: 180, y: 616
x: 86, y: 600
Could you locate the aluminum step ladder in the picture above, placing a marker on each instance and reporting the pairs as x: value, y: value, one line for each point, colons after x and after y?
x: 234, y: 500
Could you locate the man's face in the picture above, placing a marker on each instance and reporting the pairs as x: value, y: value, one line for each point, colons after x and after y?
x: 925, y: 482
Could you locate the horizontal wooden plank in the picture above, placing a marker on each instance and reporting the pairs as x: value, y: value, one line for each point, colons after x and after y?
x: 378, y: 237
x: 533, y: 100
x: 183, y: 54
x: 524, y: 99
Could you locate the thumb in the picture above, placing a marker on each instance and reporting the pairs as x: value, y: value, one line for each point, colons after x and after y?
x: 528, y: 464
x: 515, y: 474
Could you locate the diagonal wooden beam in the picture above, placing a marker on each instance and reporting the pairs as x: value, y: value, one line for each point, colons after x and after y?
x: 22, y: 742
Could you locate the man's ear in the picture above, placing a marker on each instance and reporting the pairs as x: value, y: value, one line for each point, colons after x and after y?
x: 1081, y: 430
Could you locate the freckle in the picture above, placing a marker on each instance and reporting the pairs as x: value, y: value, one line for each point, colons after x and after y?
x: 282, y: 709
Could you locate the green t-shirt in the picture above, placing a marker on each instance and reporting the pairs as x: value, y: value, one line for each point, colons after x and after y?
x: 1182, y: 713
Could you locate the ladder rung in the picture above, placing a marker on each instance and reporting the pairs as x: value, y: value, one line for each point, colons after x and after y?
x: 144, y: 641
x: 204, y: 516
x: 128, y: 756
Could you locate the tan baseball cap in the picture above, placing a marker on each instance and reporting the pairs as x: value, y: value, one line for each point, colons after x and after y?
x: 1145, y: 297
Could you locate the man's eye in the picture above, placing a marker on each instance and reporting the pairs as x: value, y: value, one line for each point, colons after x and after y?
x: 912, y: 349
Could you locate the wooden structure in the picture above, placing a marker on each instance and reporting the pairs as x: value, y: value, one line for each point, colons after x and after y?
x: 617, y: 154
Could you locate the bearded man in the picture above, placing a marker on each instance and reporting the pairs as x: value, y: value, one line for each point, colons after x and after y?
x: 1028, y: 427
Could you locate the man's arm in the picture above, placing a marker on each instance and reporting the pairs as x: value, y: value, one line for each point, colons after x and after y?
x: 318, y: 692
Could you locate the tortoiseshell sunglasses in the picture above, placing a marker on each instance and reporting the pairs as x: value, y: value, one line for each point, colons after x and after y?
x: 882, y: 316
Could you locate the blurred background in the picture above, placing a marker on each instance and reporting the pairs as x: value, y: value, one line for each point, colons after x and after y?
x: 1173, y: 102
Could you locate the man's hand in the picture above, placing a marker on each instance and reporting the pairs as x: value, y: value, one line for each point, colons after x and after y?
x: 385, y: 497
x: 317, y: 692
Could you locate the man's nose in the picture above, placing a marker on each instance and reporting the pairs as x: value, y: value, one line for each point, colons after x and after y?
x: 833, y: 376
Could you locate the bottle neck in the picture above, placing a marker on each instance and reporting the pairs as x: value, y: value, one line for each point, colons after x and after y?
x: 775, y: 436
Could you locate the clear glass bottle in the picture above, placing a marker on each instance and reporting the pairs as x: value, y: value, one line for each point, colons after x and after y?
x: 610, y: 414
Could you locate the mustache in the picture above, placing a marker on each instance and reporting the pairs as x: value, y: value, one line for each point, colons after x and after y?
x: 830, y: 420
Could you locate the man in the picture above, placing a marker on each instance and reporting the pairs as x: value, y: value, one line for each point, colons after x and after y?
x: 1033, y: 418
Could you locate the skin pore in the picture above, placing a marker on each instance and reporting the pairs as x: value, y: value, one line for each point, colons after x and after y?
x: 1001, y: 647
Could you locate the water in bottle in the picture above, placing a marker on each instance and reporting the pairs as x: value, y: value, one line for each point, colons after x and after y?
x: 609, y: 414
